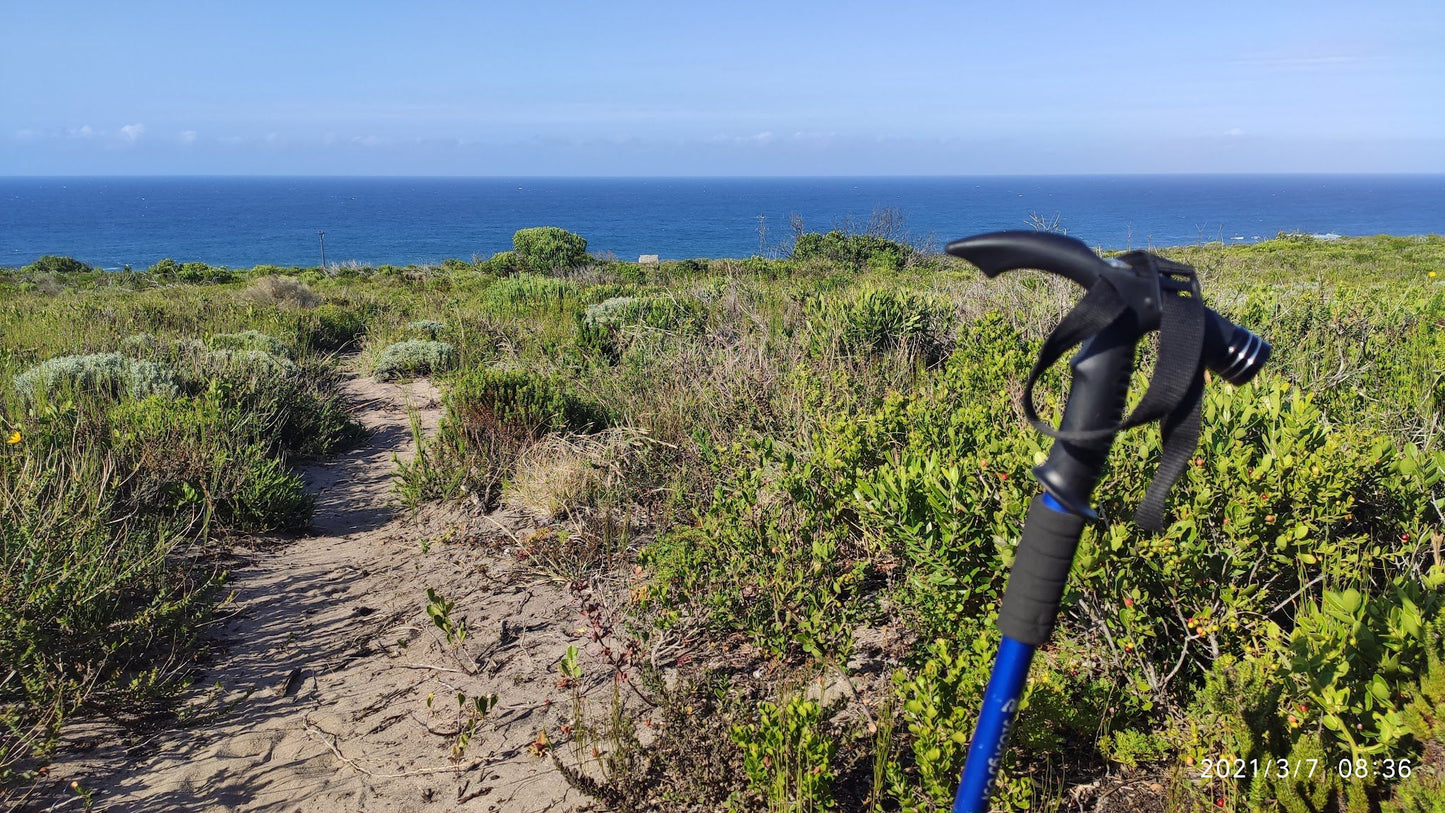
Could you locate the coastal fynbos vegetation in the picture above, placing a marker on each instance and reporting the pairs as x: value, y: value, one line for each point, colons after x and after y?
x: 800, y: 481
x: 414, y: 357
x: 141, y: 428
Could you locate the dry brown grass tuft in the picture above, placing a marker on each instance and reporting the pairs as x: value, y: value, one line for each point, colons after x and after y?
x: 561, y: 473
x: 282, y: 292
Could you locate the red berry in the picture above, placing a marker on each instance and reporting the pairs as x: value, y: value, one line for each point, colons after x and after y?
x: 1128, y: 602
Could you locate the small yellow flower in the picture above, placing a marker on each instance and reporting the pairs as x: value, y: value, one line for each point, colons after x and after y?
x: 14, y: 438
x: 1432, y: 275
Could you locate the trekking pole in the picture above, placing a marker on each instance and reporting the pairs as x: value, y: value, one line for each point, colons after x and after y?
x: 1125, y: 299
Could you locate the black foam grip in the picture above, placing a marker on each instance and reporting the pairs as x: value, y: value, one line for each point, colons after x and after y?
x: 1036, y: 584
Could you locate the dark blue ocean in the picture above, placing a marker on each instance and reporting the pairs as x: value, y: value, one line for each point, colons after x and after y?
x: 112, y: 222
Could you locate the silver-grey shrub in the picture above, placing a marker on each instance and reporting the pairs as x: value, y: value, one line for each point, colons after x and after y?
x: 109, y: 374
x: 246, y: 364
x: 415, y: 357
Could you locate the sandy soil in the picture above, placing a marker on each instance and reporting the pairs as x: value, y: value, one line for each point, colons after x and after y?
x: 331, y: 689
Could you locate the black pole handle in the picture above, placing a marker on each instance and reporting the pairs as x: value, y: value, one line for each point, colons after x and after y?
x: 1000, y: 251
x: 1041, y: 568
x: 1230, y: 351
x: 1098, y: 390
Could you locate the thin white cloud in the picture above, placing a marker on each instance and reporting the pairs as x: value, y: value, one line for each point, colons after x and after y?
x: 815, y: 138
x: 1234, y: 132
x: 188, y: 137
x: 765, y: 137
x: 130, y: 133
x: 369, y: 141
x: 83, y: 131
x: 1295, y: 63
x: 26, y: 134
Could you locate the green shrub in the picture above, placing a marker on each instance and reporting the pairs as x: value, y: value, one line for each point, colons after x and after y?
x: 875, y: 320
x: 531, y: 290
x: 335, y: 327
x: 855, y: 250
x: 501, y: 264
x: 51, y: 264
x: 522, y: 400
x: 288, y: 408
x: 938, y: 703
x: 788, y: 759
x: 108, y: 374
x: 96, y: 607
x: 140, y: 344
x: 198, y: 454
x: 547, y: 248
x: 413, y: 358
x: 193, y: 272
x: 1133, y: 747
x: 1424, y: 718
x: 492, y: 416
x: 250, y: 340
x: 1355, y: 659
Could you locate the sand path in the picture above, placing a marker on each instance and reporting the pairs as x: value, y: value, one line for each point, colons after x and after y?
x: 316, y: 698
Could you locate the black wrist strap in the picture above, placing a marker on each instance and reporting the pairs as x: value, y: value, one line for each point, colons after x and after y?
x: 1174, y: 393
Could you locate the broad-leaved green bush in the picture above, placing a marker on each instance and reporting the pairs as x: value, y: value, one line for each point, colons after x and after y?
x: 788, y: 759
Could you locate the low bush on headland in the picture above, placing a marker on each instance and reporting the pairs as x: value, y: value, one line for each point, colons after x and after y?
x: 820, y: 471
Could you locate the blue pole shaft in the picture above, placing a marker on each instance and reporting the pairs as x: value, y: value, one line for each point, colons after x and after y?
x: 996, y: 717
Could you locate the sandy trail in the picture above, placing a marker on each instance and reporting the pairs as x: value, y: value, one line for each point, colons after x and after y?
x: 317, y: 696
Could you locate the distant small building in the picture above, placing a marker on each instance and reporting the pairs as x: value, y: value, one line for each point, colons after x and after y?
x: 647, y: 259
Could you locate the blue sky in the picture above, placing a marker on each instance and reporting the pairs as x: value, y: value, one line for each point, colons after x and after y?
x: 742, y: 88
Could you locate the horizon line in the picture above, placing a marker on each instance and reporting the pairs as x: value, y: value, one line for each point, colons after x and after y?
x: 743, y: 177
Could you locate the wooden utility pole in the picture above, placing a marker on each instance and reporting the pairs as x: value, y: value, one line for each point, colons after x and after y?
x: 321, y: 235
